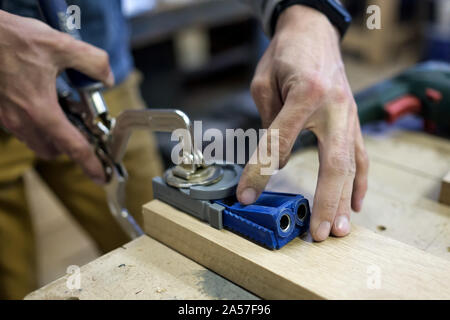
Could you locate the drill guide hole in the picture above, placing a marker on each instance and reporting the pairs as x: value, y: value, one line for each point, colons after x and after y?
x: 285, y: 222
x: 301, y: 212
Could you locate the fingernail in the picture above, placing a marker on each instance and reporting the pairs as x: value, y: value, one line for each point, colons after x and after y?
x: 360, y: 204
x: 110, y: 80
x: 342, y: 225
x: 96, y: 172
x: 323, y: 231
x: 248, y: 196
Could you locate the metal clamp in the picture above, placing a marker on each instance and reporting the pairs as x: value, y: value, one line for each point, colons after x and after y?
x: 161, y: 120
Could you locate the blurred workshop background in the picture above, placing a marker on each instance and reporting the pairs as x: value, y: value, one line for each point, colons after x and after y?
x: 199, y: 56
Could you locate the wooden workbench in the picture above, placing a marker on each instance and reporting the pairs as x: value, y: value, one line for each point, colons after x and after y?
x: 402, y: 203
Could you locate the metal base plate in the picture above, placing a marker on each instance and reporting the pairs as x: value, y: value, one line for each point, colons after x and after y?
x: 203, y: 176
x: 222, y: 189
x: 223, y: 182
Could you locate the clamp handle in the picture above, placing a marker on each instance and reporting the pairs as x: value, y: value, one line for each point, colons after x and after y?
x: 55, y: 14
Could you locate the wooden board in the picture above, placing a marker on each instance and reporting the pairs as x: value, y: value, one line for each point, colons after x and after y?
x: 346, y: 268
x: 445, y: 190
x: 143, y: 269
x: 402, y: 201
x: 402, y: 204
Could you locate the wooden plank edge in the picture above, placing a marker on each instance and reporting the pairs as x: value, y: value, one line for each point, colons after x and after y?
x: 429, y: 279
x: 227, y: 264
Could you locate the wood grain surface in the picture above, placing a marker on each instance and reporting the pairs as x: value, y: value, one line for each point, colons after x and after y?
x: 143, y: 269
x: 401, y: 204
x: 363, y: 265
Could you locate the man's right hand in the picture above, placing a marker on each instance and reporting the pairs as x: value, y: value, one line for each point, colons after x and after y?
x: 31, y: 56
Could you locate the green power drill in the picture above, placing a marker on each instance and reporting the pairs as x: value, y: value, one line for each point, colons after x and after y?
x: 423, y: 90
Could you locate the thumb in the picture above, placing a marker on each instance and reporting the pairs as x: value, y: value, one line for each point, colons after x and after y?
x: 273, y: 151
x: 88, y: 59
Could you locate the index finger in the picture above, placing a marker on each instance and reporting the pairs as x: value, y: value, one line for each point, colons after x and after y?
x: 283, y: 132
x: 86, y: 58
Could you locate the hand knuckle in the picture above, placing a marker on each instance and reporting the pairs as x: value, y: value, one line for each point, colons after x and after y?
x: 45, y: 120
x: 13, y: 123
x: 339, y: 163
x: 364, y: 186
x: 104, y: 63
x: 352, y: 168
x: 63, y: 39
x: 340, y: 140
x: 315, y: 85
x: 61, y: 42
x: 284, y: 65
x: 259, y: 88
x: 292, y: 86
x: 342, y: 95
x: 363, y: 159
x: 284, y: 149
x: 352, y: 110
x: 327, y: 206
